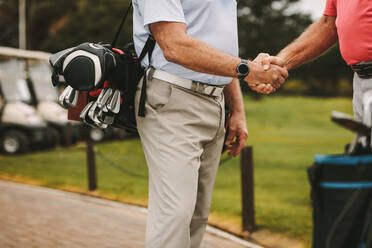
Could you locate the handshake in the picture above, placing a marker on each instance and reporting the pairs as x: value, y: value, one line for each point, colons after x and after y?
x: 267, y: 73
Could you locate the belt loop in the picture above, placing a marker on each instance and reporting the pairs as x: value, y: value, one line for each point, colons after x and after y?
x: 213, y: 90
x: 151, y: 72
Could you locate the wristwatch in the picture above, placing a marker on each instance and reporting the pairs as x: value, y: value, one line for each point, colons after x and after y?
x: 242, y: 69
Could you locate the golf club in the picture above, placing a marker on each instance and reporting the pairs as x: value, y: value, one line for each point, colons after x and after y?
x: 71, y: 98
x: 104, y: 97
x: 62, y: 97
x: 84, y: 115
x: 93, y: 113
x: 114, y: 103
x: 348, y: 122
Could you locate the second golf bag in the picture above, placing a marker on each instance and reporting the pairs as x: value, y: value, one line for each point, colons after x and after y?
x: 341, y: 190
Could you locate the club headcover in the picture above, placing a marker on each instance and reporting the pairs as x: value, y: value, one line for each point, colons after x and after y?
x: 84, y: 67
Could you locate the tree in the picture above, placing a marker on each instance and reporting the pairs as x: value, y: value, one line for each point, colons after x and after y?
x: 9, y: 23
x: 45, y: 18
x: 94, y: 21
x: 265, y: 26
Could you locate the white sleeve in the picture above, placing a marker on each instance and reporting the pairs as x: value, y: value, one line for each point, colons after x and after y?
x: 163, y: 10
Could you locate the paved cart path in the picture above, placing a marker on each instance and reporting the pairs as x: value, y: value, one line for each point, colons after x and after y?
x: 33, y: 216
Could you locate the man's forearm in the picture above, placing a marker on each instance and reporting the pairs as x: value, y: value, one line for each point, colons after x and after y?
x: 317, y: 39
x: 234, y: 97
x: 180, y: 48
x: 204, y: 58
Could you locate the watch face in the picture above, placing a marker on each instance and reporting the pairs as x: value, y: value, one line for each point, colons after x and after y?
x: 243, y: 69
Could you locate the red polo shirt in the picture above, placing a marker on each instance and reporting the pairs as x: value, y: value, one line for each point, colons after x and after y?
x: 354, y: 28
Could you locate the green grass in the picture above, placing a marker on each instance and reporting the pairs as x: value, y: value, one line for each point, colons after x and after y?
x: 286, y: 133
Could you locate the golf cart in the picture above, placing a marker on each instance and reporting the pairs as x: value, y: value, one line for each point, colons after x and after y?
x: 42, y: 95
x: 21, y: 128
x: 45, y: 98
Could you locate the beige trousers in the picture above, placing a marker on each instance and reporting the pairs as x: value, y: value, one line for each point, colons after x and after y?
x: 182, y: 137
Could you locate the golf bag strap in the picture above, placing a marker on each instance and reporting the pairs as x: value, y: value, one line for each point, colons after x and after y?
x: 147, y: 49
x: 122, y: 24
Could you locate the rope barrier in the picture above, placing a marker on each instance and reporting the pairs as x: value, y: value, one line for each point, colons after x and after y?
x: 119, y: 168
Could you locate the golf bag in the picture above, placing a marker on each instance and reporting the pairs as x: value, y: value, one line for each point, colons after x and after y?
x: 110, y: 77
x: 341, y: 191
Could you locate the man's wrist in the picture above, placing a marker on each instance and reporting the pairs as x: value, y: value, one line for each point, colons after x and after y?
x: 242, y: 69
x: 234, y: 98
x: 238, y: 114
x: 285, y: 57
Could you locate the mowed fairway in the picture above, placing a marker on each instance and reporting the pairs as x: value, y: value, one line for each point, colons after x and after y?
x: 286, y: 133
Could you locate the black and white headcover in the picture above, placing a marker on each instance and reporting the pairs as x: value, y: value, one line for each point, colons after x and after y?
x: 84, y: 67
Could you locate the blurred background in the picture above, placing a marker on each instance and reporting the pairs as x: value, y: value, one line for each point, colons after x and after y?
x: 264, y: 26
x: 286, y: 129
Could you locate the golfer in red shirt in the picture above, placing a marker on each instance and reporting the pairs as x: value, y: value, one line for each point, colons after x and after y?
x: 349, y: 23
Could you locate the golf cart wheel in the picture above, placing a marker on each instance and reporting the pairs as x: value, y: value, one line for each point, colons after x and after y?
x: 13, y: 142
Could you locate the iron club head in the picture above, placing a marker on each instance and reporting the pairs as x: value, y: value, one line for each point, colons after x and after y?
x: 106, y: 117
x: 114, y: 103
x: 72, y: 98
x: 106, y: 95
x: 84, y: 115
x: 62, y: 97
x: 93, y: 115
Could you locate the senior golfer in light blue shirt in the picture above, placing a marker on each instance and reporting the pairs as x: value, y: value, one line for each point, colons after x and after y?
x: 195, y: 69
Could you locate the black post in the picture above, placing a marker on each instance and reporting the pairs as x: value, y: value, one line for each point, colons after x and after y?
x: 91, y: 162
x: 248, y: 214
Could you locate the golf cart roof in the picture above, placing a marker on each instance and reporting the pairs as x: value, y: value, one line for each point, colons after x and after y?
x: 12, y: 81
x: 23, y: 54
x: 13, y: 59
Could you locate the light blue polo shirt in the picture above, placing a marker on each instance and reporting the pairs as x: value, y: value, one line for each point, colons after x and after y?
x: 211, y: 21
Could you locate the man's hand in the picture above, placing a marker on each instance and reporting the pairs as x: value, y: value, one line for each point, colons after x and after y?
x: 266, y: 69
x: 263, y: 88
x: 238, y: 134
x: 265, y: 60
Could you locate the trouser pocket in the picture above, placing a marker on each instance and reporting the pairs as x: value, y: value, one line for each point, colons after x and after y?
x: 158, y: 94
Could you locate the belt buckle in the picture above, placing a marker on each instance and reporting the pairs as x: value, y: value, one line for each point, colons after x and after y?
x: 201, y: 88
